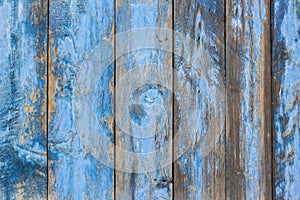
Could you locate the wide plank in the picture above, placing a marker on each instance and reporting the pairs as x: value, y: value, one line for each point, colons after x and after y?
x: 81, y: 94
x: 248, y: 119
x: 143, y: 99
x: 199, y: 104
x: 286, y: 92
x: 23, y: 83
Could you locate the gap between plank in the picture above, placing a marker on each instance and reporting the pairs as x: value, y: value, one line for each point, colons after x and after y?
x: 114, y: 103
x: 173, y: 99
x: 271, y: 3
x: 225, y: 66
x: 47, y: 90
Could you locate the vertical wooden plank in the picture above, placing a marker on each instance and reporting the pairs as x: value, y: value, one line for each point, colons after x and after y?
x: 248, y: 121
x: 143, y: 99
x: 199, y: 111
x: 286, y: 92
x: 23, y: 36
x: 81, y: 99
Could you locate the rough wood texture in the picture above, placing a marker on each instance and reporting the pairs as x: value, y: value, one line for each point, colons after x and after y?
x: 80, y: 128
x: 145, y: 96
x: 119, y: 114
x: 286, y: 92
x: 248, y: 121
x: 23, y: 36
x: 199, y: 108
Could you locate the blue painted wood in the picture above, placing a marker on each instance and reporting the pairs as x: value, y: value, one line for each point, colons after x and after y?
x: 144, y: 99
x: 86, y: 96
x: 248, y: 120
x: 286, y: 82
x: 81, y: 99
x: 23, y: 36
x: 199, y: 108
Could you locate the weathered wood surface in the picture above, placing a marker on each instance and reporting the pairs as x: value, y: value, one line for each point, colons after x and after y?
x: 115, y: 105
x: 286, y: 92
x: 143, y: 75
x: 80, y: 99
x: 23, y: 83
x: 199, y: 107
x: 248, y: 120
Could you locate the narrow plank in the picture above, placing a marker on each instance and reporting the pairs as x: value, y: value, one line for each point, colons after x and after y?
x: 286, y: 82
x: 81, y: 99
x: 143, y: 99
x: 23, y: 57
x: 199, y: 111
x: 248, y: 121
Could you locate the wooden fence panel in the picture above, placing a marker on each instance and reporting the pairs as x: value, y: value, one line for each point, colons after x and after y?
x: 144, y: 99
x: 286, y: 92
x: 248, y: 121
x: 23, y: 83
x: 81, y: 93
x: 199, y: 105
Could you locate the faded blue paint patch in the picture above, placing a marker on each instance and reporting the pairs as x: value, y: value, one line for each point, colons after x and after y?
x: 104, y: 105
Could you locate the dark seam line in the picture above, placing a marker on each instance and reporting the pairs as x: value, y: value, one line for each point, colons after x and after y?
x: 225, y: 74
x: 173, y: 99
x: 272, y: 98
x: 114, y: 103
x: 47, y: 103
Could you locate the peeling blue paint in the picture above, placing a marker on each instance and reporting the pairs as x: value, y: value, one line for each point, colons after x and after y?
x: 286, y: 72
x: 76, y: 29
x: 22, y: 81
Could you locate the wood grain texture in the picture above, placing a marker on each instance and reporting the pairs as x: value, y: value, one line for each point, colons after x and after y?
x: 80, y: 99
x: 125, y: 96
x: 286, y: 92
x: 199, y: 99
x: 23, y: 28
x: 149, y: 125
x: 248, y: 121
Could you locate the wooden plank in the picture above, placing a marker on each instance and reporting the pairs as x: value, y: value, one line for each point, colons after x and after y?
x: 143, y: 99
x: 23, y: 54
x: 199, y: 111
x: 286, y: 82
x: 81, y: 99
x: 248, y: 121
